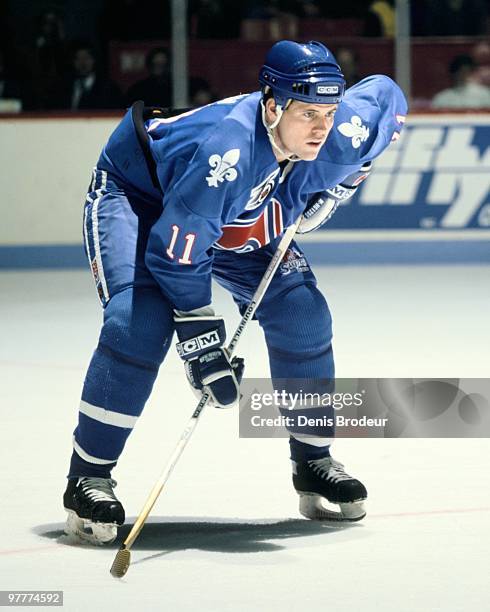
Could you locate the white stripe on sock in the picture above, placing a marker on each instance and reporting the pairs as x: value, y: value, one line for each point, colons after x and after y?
x: 86, y: 457
x: 313, y: 440
x: 108, y: 417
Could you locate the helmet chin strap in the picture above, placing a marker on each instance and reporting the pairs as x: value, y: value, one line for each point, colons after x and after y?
x: 270, y: 133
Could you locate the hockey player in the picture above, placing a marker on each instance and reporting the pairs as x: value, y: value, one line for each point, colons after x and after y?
x: 177, y: 200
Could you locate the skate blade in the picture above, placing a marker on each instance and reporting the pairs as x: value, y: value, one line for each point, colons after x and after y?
x: 311, y: 507
x: 85, y: 531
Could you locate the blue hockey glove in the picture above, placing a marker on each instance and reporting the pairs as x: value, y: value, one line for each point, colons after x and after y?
x: 207, y: 364
x: 322, y: 205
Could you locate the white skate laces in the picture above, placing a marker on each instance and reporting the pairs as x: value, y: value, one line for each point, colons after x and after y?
x: 98, y: 489
x: 329, y: 469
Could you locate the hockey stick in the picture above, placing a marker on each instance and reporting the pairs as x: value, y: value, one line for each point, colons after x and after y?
x: 122, y: 559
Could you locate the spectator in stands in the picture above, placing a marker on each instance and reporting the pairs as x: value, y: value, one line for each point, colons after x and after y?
x: 348, y: 60
x: 380, y: 19
x: 200, y: 92
x: 85, y: 87
x: 47, y: 59
x: 481, y: 54
x: 156, y: 88
x: 50, y: 42
x: 465, y: 92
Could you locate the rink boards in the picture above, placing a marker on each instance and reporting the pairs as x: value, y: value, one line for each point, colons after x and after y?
x: 426, y: 201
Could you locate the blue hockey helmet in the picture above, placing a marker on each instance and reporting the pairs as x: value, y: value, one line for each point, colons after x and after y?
x: 306, y: 72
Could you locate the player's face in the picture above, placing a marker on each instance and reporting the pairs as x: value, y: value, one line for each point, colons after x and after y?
x: 303, y: 129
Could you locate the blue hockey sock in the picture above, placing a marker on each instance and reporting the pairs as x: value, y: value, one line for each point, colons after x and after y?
x: 137, y: 330
x: 298, y: 331
x: 304, y: 452
x: 79, y: 467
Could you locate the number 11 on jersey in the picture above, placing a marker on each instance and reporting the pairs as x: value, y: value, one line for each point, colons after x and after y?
x: 189, y: 243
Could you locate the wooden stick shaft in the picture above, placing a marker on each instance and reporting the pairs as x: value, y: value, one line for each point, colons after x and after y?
x: 189, y: 430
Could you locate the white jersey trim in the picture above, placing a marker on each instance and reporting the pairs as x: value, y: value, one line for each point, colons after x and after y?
x: 85, y: 235
x: 95, y: 234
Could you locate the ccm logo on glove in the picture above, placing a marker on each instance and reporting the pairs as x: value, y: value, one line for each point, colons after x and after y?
x: 199, y: 343
x: 208, y: 366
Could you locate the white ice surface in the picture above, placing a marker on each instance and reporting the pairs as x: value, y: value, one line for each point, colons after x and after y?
x: 225, y: 534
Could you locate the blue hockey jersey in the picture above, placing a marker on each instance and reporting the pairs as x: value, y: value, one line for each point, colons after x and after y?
x: 220, y: 186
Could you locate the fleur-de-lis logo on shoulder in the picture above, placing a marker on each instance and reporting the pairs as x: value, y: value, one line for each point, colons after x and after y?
x: 222, y: 167
x: 355, y: 130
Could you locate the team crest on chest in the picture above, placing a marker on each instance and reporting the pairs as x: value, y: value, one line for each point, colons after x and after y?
x: 259, y: 193
x: 243, y: 235
x: 222, y: 168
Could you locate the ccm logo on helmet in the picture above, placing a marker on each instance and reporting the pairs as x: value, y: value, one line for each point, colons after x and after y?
x: 327, y: 89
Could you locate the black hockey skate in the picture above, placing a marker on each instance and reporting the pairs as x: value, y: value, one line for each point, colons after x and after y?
x: 326, y: 478
x: 94, y: 512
